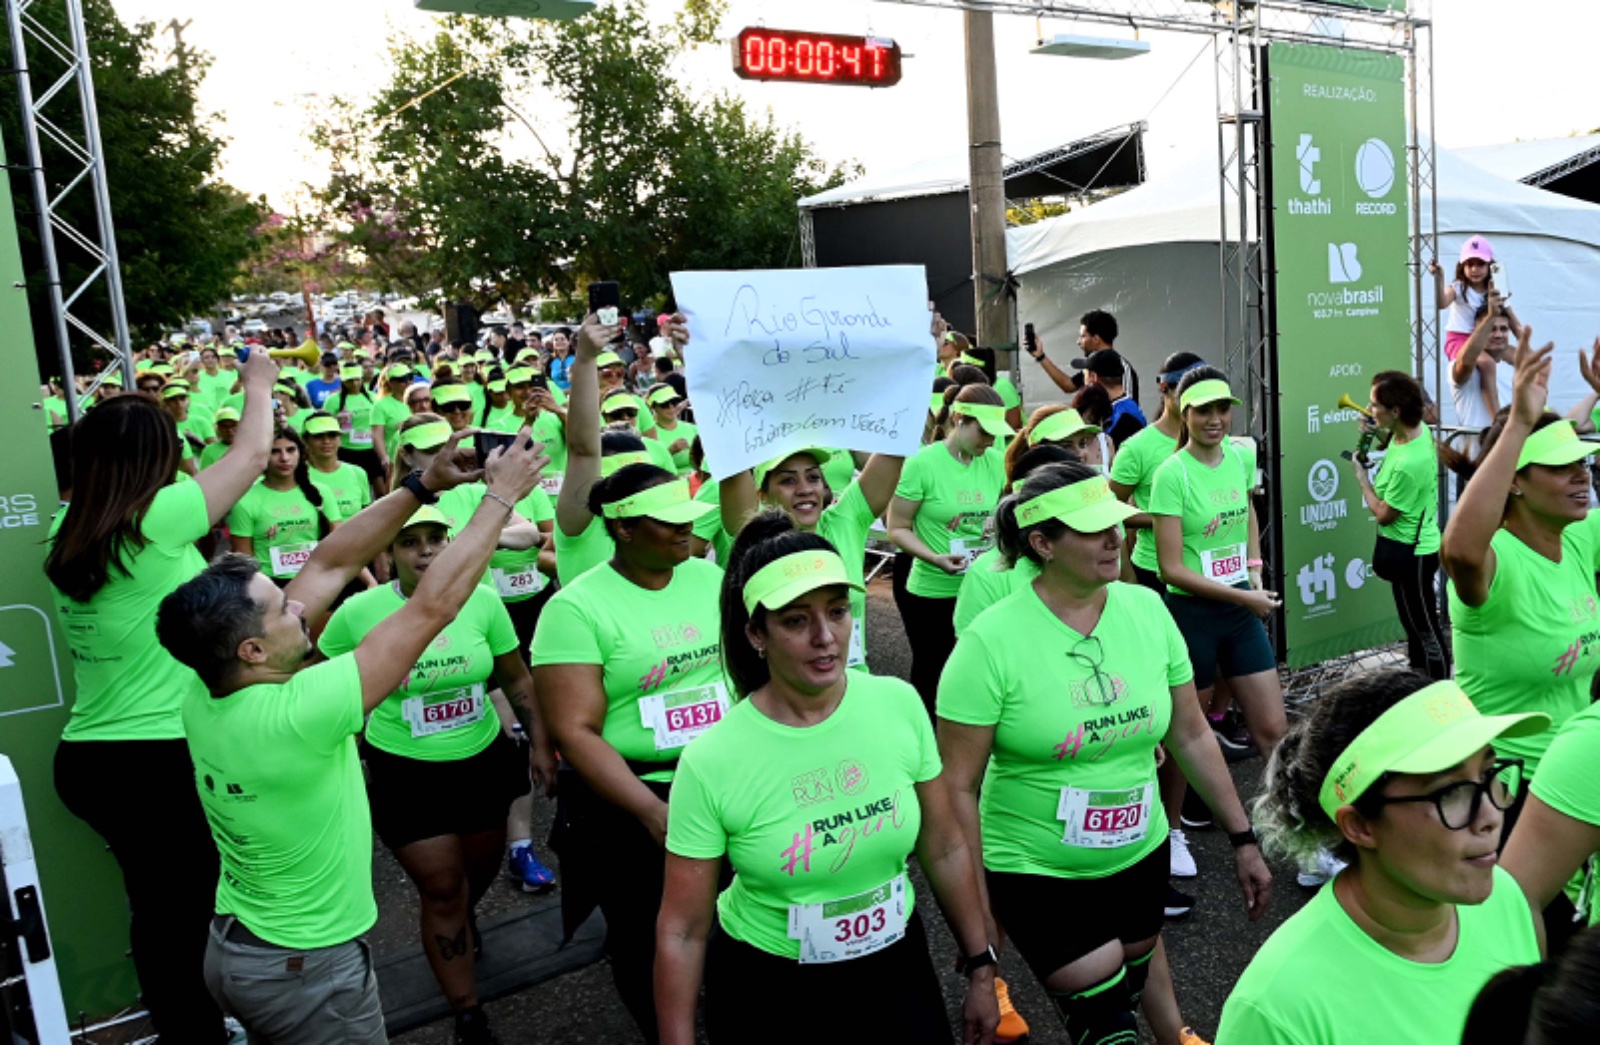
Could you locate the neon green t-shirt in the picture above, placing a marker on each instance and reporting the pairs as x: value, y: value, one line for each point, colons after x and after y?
x: 846, y: 523
x: 1321, y: 980
x: 1534, y: 644
x: 956, y: 501
x: 680, y: 458
x: 283, y: 525
x: 1568, y: 784
x: 296, y: 420
x: 441, y: 713
x: 659, y: 652
x: 1009, y: 396
x: 358, y: 434
x: 197, y: 429
x: 709, y: 526
x: 1409, y: 483
x: 839, y: 469
x: 1071, y: 787
x: 1135, y: 465
x: 128, y: 685
x: 659, y: 455
x: 576, y: 556
x: 390, y: 412
x: 347, y: 487
x: 986, y: 582
x: 212, y: 453
x: 550, y: 430
x: 515, y: 575
x: 805, y: 815
x: 1214, y: 504
x: 503, y: 419
x: 280, y: 781
x: 215, y: 388
x: 478, y: 395
x: 55, y: 411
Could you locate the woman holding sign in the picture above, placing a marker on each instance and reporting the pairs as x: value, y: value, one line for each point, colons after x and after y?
x: 1055, y: 701
x: 441, y: 774
x: 946, y: 494
x: 1208, y: 546
x: 815, y: 910
x: 281, y: 518
x: 627, y: 662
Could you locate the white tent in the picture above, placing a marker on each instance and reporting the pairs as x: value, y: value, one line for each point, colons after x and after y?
x: 1150, y: 257
x: 1534, y: 162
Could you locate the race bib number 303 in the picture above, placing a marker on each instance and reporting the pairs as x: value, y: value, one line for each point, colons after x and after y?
x: 1105, y: 819
x: 851, y: 927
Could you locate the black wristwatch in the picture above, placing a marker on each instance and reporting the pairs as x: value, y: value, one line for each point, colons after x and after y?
x: 413, y: 482
x: 1240, y: 839
x: 973, y: 963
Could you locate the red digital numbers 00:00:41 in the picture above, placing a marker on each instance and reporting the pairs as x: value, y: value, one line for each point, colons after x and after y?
x: 796, y: 57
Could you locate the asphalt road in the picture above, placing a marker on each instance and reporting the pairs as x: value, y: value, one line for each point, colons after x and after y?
x: 1208, y: 950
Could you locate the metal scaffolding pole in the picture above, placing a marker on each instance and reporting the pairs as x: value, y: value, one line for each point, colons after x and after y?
x: 84, y: 169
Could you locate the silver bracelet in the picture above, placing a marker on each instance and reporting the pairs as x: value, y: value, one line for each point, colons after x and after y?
x: 494, y: 496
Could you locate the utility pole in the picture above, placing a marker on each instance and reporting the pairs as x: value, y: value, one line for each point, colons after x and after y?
x: 988, y: 190
x: 180, y: 54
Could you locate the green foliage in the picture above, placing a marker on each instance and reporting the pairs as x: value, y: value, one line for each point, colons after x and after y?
x: 182, y: 234
x: 642, y: 178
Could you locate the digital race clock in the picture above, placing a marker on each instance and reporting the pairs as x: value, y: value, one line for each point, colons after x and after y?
x: 797, y: 57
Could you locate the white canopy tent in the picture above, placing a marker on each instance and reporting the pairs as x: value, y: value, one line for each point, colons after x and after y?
x: 1150, y: 257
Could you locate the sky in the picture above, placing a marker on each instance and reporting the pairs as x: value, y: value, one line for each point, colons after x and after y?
x: 1503, y: 72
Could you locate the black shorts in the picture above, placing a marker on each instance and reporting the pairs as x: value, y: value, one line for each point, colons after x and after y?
x: 1150, y: 579
x: 1056, y: 921
x: 896, y: 992
x: 413, y: 799
x: 1221, y: 637
x: 367, y: 459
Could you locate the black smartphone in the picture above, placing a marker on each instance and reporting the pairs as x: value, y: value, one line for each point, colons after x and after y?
x: 1029, y: 339
x: 540, y: 381
x: 485, y: 443
x: 605, y: 295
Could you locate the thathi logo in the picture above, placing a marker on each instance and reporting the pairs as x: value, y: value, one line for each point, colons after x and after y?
x: 1308, y: 155
x: 1343, y: 265
x: 1317, y: 579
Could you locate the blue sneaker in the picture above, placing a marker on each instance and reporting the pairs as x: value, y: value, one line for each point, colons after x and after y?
x: 524, y: 865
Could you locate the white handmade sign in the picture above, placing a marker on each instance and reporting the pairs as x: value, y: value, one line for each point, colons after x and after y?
x: 784, y: 359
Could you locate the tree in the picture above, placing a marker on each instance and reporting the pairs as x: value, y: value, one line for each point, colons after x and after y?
x: 644, y: 178
x: 182, y: 233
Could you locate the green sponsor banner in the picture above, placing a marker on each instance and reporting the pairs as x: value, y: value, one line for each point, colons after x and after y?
x: 1341, y: 238
x: 85, y: 905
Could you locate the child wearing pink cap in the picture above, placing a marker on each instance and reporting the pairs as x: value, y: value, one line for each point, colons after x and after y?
x: 1467, y: 293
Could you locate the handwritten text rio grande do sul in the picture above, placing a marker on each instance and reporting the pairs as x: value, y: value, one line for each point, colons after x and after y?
x: 812, y: 355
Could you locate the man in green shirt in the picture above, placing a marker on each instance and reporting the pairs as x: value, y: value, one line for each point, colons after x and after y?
x: 275, y: 755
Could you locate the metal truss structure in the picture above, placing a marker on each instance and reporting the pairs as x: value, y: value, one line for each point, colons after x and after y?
x: 63, y: 113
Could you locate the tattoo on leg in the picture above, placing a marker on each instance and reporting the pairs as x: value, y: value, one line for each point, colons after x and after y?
x: 451, y: 948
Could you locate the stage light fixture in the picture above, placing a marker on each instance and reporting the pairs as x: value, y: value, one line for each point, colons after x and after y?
x: 1104, y: 48
x: 552, y: 9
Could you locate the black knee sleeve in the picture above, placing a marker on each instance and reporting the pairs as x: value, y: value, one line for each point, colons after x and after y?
x: 1099, y: 1015
x: 1138, y: 971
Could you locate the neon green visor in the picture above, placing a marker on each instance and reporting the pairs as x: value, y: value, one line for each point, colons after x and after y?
x: 114, y: 379
x: 970, y: 360
x: 762, y: 470
x: 606, y: 359
x: 784, y: 580
x: 351, y: 373
x: 519, y: 375
x: 1554, y: 446
x: 426, y: 437
x: 615, y: 462
x: 991, y: 419
x: 1202, y: 392
x: 670, y: 503
x: 664, y: 394
x: 399, y: 372
x: 174, y: 389
x: 498, y: 385
x: 325, y: 426
x: 1433, y: 729
x: 445, y: 395
x: 227, y: 413
x: 1060, y: 425
x: 1084, y: 507
x: 935, y: 402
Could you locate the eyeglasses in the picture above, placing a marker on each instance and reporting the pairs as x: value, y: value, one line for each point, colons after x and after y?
x: 622, y: 415
x: 1458, y: 804
x: 451, y: 408
x: 1090, y: 654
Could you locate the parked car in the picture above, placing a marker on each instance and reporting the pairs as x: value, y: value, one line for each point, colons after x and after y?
x: 254, y: 326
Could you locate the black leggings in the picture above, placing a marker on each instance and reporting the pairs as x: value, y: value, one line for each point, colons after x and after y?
x: 891, y: 995
x: 139, y: 795
x: 931, y: 632
x: 1416, y: 601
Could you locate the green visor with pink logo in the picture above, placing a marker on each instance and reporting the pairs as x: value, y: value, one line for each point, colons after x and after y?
x: 1084, y: 507
x: 425, y: 437
x: 1430, y: 731
x: 670, y: 503
x: 1202, y: 393
x: 1554, y: 446
x: 991, y: 419
x: 427, y: 515
x: 784, y: 580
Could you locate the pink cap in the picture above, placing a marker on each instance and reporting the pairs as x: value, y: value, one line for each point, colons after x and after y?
x: 1477, y: 247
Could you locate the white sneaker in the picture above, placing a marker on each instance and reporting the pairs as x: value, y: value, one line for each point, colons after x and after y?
x: 1183, y: 865
x: 1323, y: 867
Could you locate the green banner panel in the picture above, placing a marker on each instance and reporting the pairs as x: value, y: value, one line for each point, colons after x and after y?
x: 1341, y: 238
x: 84, y: 900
